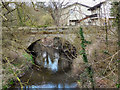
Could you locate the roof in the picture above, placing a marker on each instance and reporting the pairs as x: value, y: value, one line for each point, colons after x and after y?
x: 96, y: 6
x: 89, y: 16
x: 76, y: 3
x: 93, y: 15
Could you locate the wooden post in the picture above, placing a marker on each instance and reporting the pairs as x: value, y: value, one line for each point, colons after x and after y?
x: 106, y: 32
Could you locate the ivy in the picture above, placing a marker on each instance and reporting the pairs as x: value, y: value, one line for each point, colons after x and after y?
x: 118, y: 85
x: 118, y: 43
x: 83, y: 46
x: 106, y: 52
x: 85, y: 59
x: 87, y: 42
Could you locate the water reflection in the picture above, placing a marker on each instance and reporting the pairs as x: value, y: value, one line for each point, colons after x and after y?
x: 49, y: 63
x: 39, y: 80
x: 51, y: 85
x: 57, y: 74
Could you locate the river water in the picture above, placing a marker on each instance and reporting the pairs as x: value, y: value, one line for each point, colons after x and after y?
x: 51, y: 75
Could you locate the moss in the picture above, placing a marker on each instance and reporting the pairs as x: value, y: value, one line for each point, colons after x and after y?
x: 5, y: 87
x: 27, y: 56
x: 42, y: 26
x: 11, y: 82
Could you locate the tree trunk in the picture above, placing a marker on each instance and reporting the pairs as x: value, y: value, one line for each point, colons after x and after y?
x: 56, y: 19
x: 118, y: 31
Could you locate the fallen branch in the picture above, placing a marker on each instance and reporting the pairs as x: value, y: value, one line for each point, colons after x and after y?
x: 15, y: 74
x: 112, y: 57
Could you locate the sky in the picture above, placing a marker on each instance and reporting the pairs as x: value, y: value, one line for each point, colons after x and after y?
x: 85, y: 2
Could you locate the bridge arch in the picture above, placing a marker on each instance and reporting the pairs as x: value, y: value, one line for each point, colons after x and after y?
x: 50, y: 47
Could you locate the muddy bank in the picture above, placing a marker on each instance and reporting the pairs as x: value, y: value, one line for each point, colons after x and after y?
x: 44, y: 79
x: 15, y: 60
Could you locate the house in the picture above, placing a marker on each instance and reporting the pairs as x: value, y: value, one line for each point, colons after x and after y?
x: 103, y: 14
x: 72, y: 14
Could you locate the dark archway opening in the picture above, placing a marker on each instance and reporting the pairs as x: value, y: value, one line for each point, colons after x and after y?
x: 53, y: 53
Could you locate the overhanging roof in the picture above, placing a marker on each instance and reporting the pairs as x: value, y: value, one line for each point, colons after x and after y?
x: 96, y: 6
x: 76, y: 3
x: 89, y: 16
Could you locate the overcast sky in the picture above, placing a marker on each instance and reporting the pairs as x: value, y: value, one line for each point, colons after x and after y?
x: 86, y: 2
x: 90, y: 2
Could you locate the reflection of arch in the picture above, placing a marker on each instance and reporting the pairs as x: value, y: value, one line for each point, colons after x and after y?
x: 57, y: 44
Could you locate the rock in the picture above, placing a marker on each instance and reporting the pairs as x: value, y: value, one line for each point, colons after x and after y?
x: 47, y: 41
x: 57, y: 43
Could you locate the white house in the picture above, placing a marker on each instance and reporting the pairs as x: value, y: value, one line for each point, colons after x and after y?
x: 72, y: 14
x: 103, y: 13
x: 79, y: 14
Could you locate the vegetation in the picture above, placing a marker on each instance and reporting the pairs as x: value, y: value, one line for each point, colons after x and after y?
x: 115, y: 11
x: 23, y: 14
x: 84, y: 56
x: 98, y: 49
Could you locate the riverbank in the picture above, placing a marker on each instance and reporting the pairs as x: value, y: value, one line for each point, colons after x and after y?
x: 16, y: 61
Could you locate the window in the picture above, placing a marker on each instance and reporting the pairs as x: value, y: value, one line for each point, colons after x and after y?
x: 71, y: 11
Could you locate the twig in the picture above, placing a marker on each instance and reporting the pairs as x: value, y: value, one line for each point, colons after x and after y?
x: 34, y: 6
x: 3, y: 17
x: 15, y: 74
x: 111, y: 60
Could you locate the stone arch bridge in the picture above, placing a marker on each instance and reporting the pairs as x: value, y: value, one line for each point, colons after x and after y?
x: 26, y: 36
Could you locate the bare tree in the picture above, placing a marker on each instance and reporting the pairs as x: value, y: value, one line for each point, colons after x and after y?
x: 54, y: 8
